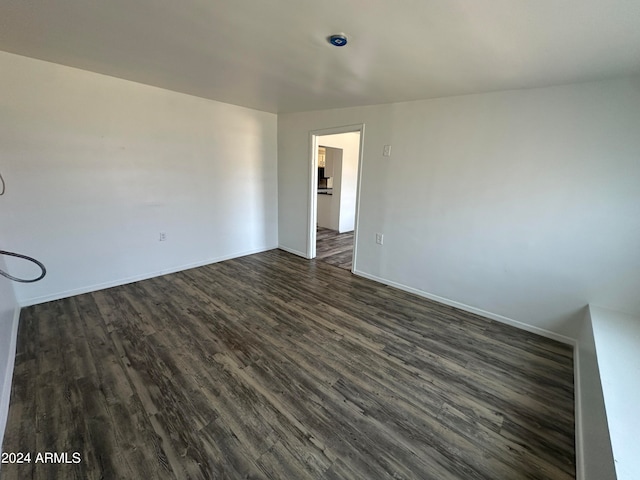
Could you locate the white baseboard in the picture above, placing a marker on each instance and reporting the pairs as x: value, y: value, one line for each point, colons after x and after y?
x: 452, y: 303
x: 577, y: 395
x: 5, y: 394
x: 291, y: 250
x: 123, y: 281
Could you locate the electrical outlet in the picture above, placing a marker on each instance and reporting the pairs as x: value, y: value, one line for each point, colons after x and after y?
x: 163, y: 236
x: 386, y: 151
x: 379, y: 238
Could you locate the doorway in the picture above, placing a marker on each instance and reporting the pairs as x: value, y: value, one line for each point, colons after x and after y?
x: 336, y: 158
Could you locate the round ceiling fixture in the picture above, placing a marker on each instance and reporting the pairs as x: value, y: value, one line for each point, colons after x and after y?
x: 338, y: 40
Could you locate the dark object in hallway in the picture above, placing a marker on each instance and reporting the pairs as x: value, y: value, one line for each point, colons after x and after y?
x: 334, y: 248
x: 274, y: 367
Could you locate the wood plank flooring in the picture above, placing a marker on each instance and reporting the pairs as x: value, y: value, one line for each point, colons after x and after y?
x: 274, y: 367
x: 334, y: 248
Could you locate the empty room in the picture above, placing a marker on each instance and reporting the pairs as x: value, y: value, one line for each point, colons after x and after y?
x: 171, y: 174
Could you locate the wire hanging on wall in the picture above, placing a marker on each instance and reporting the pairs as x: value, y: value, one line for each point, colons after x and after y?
x: 25, y: 257
x: 18, y: 255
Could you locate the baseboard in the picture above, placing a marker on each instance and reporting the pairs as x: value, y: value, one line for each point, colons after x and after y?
x: 5, y: 394
x: 577, y: 395
x: 452, y: 303
x: 123, y: 281
x: 293, y: 251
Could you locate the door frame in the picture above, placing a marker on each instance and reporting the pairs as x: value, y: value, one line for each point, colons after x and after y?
x: 313, y: 185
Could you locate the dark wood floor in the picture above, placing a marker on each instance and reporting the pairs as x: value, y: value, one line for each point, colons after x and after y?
x: 334, y: 248
x: 271, y: 366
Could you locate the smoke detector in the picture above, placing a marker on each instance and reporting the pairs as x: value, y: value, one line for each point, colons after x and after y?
x: 338, y: 40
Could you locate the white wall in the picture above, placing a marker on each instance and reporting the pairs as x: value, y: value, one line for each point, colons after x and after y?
x: 617, y: 342
x: 522, y: 204
x: 349, y: 143
x: 325, y: 211
x: 328, y: 206
x: 594, y: 455
x: 8, y: 328
x: 96, y: 167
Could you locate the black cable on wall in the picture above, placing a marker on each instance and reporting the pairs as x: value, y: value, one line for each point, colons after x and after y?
x: 18, y: 255
x: 31, y: 259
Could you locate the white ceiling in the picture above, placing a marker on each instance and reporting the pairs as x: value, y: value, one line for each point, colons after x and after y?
x: 272, y: 55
